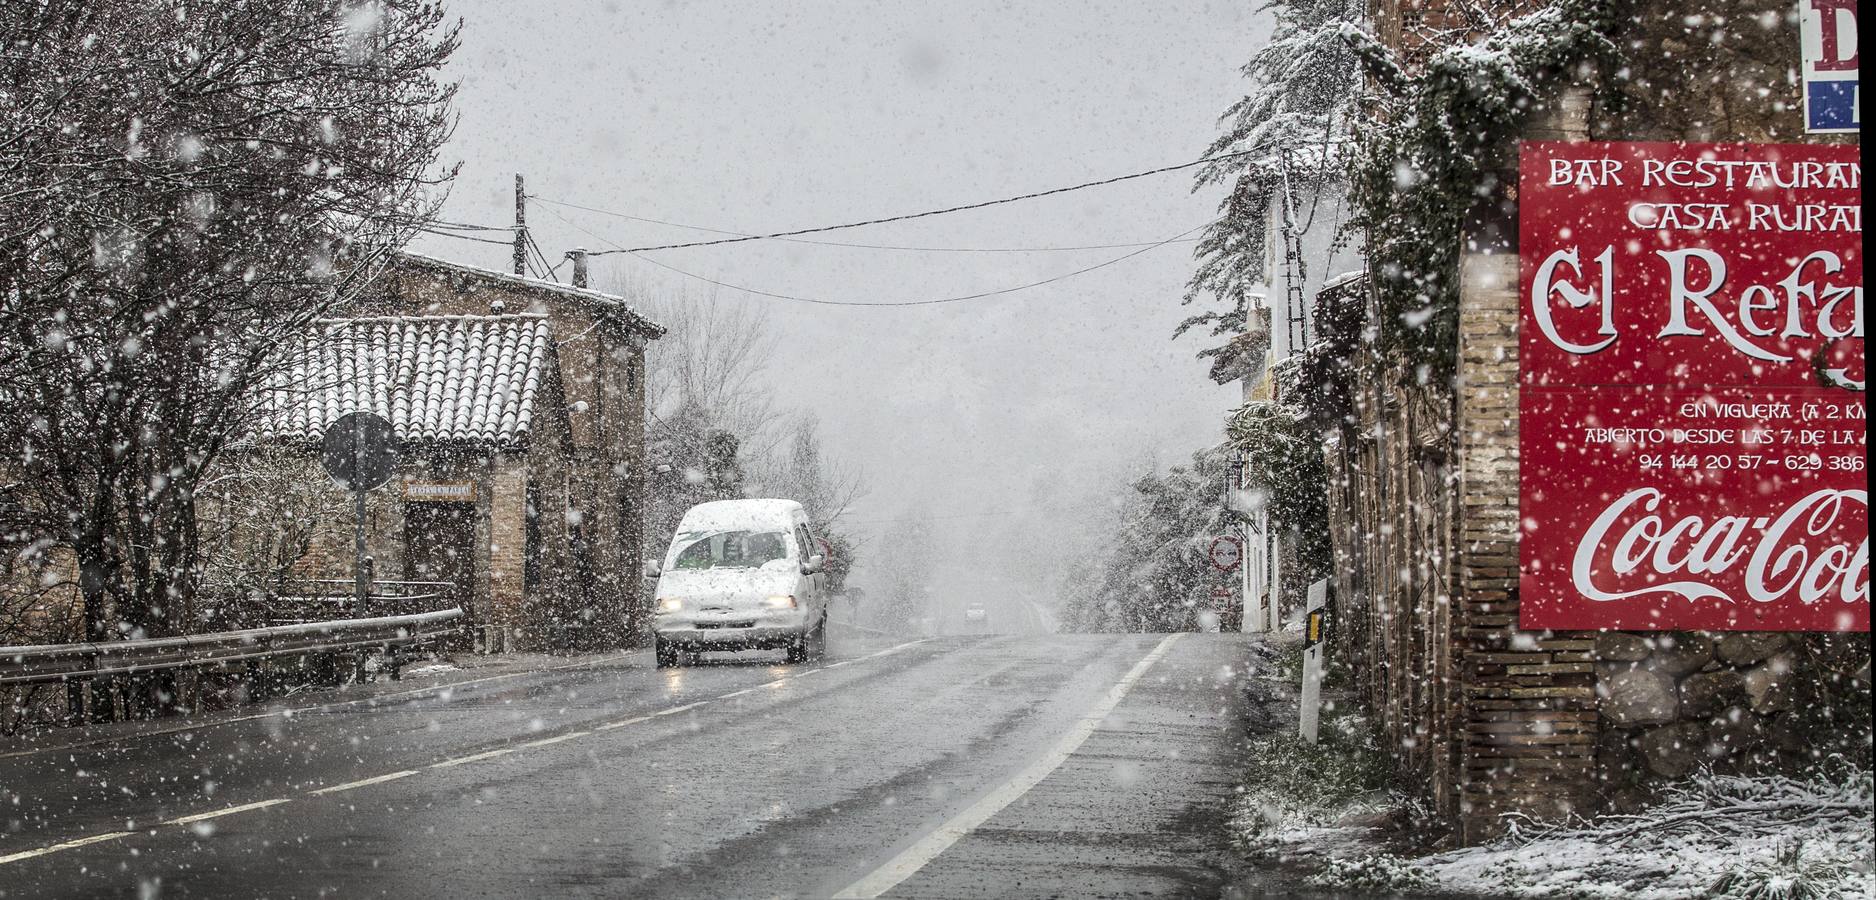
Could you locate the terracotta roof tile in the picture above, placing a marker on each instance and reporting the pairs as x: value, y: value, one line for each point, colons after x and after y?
x: 463, y: 380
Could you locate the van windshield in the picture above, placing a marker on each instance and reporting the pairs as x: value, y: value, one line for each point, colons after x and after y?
x: 729, y: 549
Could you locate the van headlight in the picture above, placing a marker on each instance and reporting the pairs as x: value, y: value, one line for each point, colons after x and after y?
x: 780, y: 601
x: 670, y: 604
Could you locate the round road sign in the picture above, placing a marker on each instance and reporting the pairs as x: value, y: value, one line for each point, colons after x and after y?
x: 1226, y: 553
x: 359, y: 451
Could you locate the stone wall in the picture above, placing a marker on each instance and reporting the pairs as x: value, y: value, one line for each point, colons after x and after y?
x: 600, y: 345
x: 1673, y: 702
x: 1489, y: 718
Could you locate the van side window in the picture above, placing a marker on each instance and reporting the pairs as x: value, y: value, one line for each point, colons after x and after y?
x: 806, y: 537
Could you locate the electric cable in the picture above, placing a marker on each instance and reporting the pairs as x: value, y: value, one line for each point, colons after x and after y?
x: 464, y: 237
x: 857, y: 245
x: 818, y: 301
x: 927, y: 213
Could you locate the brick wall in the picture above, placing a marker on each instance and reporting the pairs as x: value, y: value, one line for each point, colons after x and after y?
x: 1551, y: 723
x: 601, y: 359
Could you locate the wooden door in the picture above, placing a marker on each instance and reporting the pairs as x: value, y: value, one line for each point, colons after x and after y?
x: 439, y: 545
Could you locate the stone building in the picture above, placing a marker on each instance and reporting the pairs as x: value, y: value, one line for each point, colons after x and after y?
x: 1424, y: 492
x: 520, y: 406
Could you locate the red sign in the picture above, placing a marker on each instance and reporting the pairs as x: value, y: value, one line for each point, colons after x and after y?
x: 1692, y: 422
x: 1226, y: 553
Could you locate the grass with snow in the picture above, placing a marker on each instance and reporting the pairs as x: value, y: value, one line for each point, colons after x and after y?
x: 1298, y: 788
x: 1750, y: 838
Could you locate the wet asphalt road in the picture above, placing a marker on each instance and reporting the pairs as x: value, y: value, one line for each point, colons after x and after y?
x: 943, y: 768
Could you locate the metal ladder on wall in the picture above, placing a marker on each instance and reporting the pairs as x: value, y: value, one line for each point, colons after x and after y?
x: 1296, y: 311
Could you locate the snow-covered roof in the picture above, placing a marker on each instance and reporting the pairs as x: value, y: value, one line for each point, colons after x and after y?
x: 735, y: 515
x: 615, y: 306
x: 453, y: 380
x: 1342, y: 279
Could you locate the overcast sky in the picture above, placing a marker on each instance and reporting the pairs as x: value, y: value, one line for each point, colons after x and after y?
x: 1001, y: 417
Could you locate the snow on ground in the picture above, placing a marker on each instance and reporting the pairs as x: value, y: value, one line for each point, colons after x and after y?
x: 1711, y: 836
x: 430, y: 668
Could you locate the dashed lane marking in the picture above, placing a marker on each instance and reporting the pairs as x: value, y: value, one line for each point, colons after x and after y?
x: 362, y: 782
x: 394, y: 776
x: 68, y: 845
x: 294, y: 711
x: 476, y: 757
x: 245, y: 807
x: 925, y: 849
x: 556, y: 739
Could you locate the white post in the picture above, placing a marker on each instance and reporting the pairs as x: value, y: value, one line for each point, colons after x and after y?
x: 1312, y: 660
x: 1256, y: 559
x: 1247, y: 581
x: 1274, y: 590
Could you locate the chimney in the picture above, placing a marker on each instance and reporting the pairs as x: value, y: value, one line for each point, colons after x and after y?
x: 578, y: 255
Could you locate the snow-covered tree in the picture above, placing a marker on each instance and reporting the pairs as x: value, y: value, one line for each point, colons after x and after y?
x: 1279, y: 142
x: 183, y: 188
x: 1156, y: 576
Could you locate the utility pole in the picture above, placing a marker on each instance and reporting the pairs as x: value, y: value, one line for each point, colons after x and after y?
x: 578, y: 255
x: 521, y: 227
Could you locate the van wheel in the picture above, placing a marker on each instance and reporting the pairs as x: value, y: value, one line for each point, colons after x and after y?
x: 668, y: 655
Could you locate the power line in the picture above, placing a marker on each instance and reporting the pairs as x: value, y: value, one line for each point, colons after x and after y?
x: 465, y: 226
x: 1092, y: 507
x: 825, y: 302
x: 920, y: 215
x: 553, y: 272
x: 919, y: 249
x: 464, y: 237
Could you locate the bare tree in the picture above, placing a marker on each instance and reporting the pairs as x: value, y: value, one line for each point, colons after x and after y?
x: 262, y: 512
x: 899, y: 575
x: 800, y: 470
x: 184, y: 187
x: 715, y: 429
x: 708, y: 406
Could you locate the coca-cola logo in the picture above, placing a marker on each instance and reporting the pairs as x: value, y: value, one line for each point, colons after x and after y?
x: 1804, y: 551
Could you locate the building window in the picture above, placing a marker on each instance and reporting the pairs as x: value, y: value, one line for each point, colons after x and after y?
x: 531, y: 545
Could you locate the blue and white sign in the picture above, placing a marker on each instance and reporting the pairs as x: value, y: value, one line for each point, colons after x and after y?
x: 1831, y: 100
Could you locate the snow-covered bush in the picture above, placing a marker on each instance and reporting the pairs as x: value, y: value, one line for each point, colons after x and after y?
x: 1283, y: 461
x: 1293, y: 784
x: 1712, y: 836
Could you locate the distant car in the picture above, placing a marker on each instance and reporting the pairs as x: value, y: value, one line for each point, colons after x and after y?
x: 976, y: 619
x: 741, y: 575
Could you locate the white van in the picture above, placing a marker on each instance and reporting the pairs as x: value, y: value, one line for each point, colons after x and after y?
x: 741, y: 575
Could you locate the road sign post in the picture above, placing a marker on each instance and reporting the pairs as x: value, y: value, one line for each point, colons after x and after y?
x: 1312, y: 660
x: 360, y: 452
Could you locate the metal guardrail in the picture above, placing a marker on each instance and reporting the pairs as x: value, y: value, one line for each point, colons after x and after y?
x: 61, y: 662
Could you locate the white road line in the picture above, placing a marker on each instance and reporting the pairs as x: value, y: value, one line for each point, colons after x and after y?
x: 622, y: 723
x: 391, y: 776
x: 556, y: 739
x: 245, y: 807
x: 927, y: 848
x: 362, y: 782
x: 68, y: 845
x: 474, y: 757
x: 294, y: 711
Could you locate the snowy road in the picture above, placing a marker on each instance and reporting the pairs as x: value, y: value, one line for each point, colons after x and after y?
x: 955, y: 767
